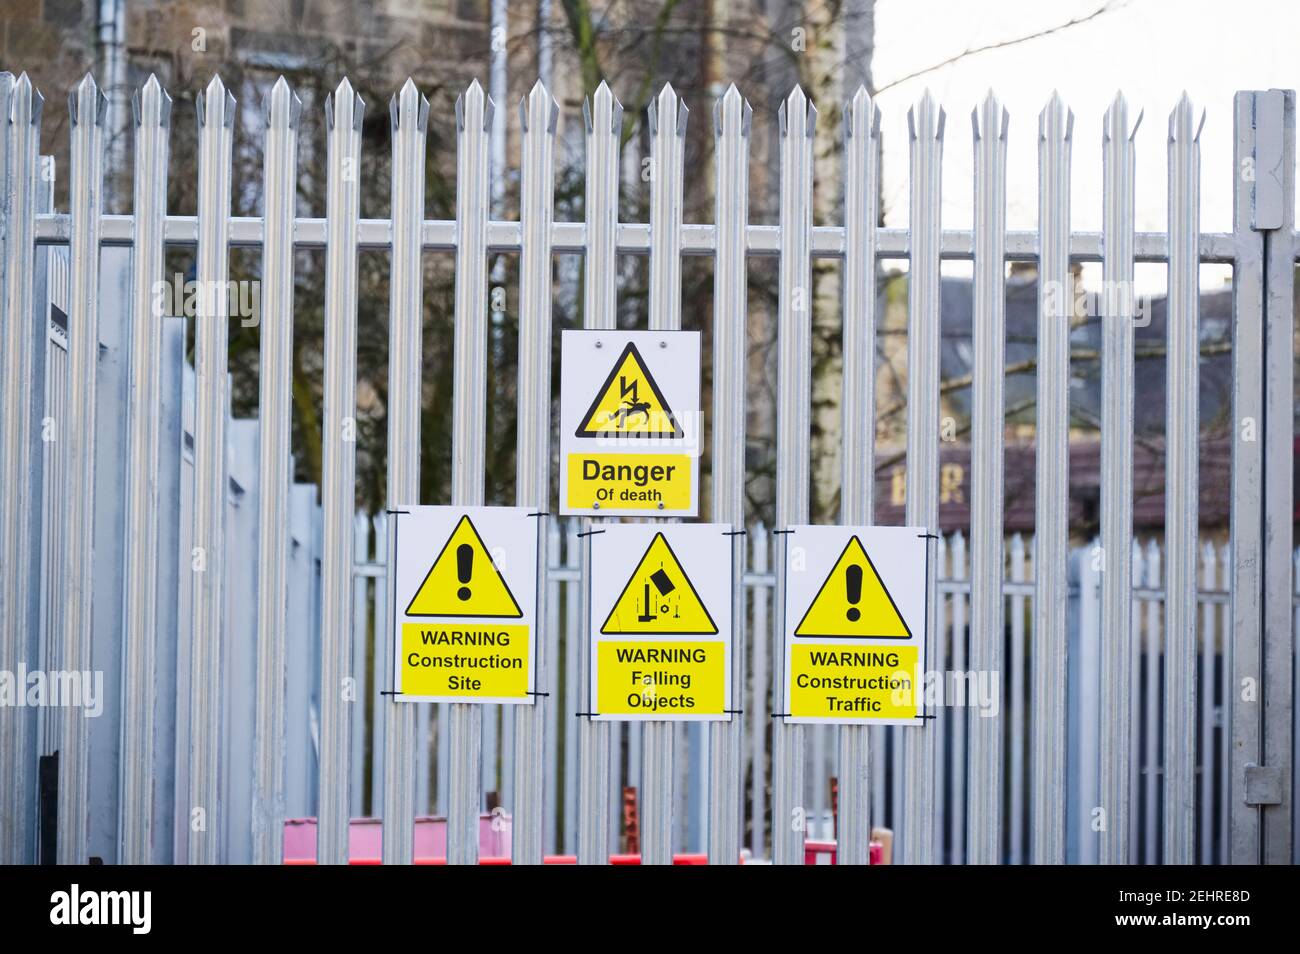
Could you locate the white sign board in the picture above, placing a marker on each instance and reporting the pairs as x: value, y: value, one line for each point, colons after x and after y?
x: 464, y: 603
x: 661, y: 622
x: 855, y: 620
x: 630, y: 423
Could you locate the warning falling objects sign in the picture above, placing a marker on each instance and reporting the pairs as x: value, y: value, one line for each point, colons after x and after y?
x: 467, y: 579
x: 629, y: 422
x: 661, y: 622
x: 856, y: 614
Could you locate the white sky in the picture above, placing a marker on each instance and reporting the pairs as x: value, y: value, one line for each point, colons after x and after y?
x: 1152, y: 50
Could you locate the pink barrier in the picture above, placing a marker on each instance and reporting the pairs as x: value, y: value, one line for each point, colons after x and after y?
x: 365, y: 839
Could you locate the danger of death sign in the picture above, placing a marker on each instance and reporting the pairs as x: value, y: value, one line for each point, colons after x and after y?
x: 855, y: 622
x: 661, y: 622
x: 464, y: 599
x: 629, y: 422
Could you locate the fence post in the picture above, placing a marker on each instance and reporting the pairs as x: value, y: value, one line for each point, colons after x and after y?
x: 1052, y: 461
x: 798, y: 120
x: 925, y: 126
x: 604, y: 118
x: 861, y: 208
x: 538, y: 115
x: 1278, y: 380
x: 409, y: 119
x: 152, y: 108
x: 344, y: 113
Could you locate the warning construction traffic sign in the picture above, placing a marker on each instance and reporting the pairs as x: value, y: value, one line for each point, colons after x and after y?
x: 661, y: 622
x: 467, y: 579
x: 855, y: 624
x: 629, y: 422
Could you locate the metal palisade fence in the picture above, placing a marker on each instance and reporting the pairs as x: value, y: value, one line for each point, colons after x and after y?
x: 1143, y: 708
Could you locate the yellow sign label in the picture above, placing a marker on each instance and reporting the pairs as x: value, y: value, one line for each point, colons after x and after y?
x: 853, y: 682
x: 629, y: 403
x: 464, y: 659
x: 464, y: 581
x: 659, y: 598
x: 853, y: 602
x: 660, y: 678
x: 629, y: 481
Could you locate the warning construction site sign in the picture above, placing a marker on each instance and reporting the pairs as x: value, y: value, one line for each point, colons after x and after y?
x: 464, y: 597
x: 661, y: 622
x: 855, y: 618
x: 629, y: 422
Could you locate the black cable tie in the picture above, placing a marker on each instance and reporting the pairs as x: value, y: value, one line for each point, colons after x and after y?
x: 397, y: 511
x: 780, y: 715
x: 587, y: 714
x: 734, y: 533
x: 927, y: 717
x: 589, y: 533
x: 782, y: 531
x: 391, y: 692
x: 733, y: 711
x: 928, y: 536
x: 540, y: 513
x: 531, y: 693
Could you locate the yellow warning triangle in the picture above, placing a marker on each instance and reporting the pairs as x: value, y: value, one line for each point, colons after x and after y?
x: 853, y: 602
x: 629, y: 403
x: 464, y: 581
x: 659, y: 598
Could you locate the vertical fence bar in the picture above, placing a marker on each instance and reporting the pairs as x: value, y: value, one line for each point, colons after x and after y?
x: 798, y: 121
x: 925, y: 126
x: 473, y: 122
x: 1181, y: 501
x: 1226, y: 786
x: 275, y: 413
x: 1205, y: 701
x: 409, y: 119
x: 344, y: 113
x: 87, y: 110
x: 1134, y: 769
x: 152, y: 107
x: 732, y: 118
x: 21, y: 119
x: 952, y: 718
x: 1150, y: 696
x: 382, y: 678
x: 552, y: 770
x: 573, y: 605
x: 989, y: 125
x: 604, y: 117
x: 758, y: 716
x: 1116, y: 475
x: 1051, y: 498
x: 538, y: 115
x: 861, y: 208
x: 360, y: 657
x: 1279, y: 464
x: 1016, y: 799
x: 667, y: 120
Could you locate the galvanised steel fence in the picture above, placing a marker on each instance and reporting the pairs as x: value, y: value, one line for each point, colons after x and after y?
x: 139, y: 521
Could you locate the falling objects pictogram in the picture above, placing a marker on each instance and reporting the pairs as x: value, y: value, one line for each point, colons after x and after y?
x: 659, y: 598
x: 853, y: 602
x: 629, y: 403
x: 464, y: 581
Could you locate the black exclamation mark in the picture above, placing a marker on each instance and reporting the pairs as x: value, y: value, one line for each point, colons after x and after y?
x: 853, y: 584
x: 465, y: 568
